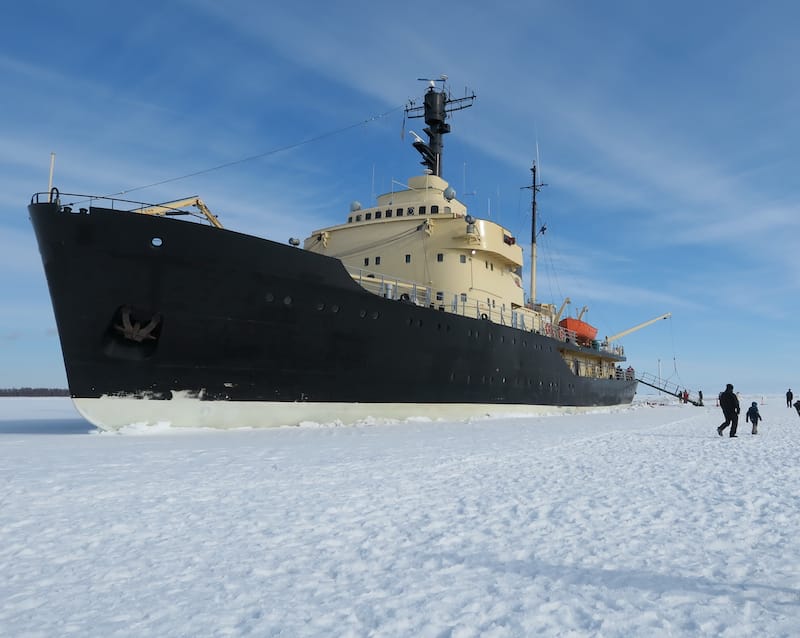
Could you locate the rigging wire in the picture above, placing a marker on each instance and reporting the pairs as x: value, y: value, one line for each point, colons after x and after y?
x: 377, y: 244
x: 280, y: 149
x: 674, y: 358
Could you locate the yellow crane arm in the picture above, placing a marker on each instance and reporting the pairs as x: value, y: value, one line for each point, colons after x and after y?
x: 169, y: 208
x: 619, y: 335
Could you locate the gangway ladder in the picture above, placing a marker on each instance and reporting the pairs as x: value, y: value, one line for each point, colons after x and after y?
x: 667, y: 387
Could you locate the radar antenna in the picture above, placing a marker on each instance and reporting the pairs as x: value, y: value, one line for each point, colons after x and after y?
x: 437, y: 104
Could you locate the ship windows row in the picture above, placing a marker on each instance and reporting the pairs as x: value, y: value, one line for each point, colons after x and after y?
x: 397, y: 212
x: 474, y: 334
x: 439, y: 258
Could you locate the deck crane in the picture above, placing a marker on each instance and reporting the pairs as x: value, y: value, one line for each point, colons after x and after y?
x: 567, y: 300
x: 619, y: 335
x: 172, y: 208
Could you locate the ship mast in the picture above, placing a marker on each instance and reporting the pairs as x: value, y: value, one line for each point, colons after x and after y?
x: 435, y: 108
x: 534, y: 187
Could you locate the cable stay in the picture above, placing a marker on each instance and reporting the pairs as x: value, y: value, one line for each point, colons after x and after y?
x: 260, y: 155
x: 668, y: 386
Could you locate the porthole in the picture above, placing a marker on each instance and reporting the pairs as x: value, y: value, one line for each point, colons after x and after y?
x: 156, y: 242
x: 362, y: 313
x: 320, y: 306
x: 334, y: 308
x: 269, y: 297
x: 287, y: 300
x: 375, y: 314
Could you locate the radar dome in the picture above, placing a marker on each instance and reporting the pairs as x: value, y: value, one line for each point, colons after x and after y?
x: 449, y: 193
x: 354, y: 206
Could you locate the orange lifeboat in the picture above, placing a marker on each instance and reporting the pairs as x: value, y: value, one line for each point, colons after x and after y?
x: 583, y: 331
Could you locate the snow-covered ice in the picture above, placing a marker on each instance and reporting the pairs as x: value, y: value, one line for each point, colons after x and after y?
x: 626, y: 522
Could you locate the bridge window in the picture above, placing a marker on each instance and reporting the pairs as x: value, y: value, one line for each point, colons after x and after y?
x: 377, y: 261
x: 350, y: 219
x: 439, y: 257
x: 378, y: 214
x: 421, y: 210
x: 358, y: 218
x: 388, y: 214
x: 368, y: 216
x: 462, y: 259
x: 408, y: 259
x: 366, y: 261
x: 399, y: 212
x: 434, y: 209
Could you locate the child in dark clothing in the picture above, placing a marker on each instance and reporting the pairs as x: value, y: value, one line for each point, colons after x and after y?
x: 753, y: 416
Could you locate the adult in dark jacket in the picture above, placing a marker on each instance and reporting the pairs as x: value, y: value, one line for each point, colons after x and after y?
x: 789, y: 397
x: 729, y: 403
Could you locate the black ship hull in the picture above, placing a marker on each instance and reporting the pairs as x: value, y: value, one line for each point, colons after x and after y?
x: 162, y: 319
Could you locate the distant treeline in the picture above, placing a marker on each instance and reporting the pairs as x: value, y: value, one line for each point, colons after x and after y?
x: 34, y: 392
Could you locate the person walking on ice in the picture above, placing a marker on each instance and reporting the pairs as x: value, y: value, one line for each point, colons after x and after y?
x: 789, y: 397
x: 729, y: 403
x: 753, y: 416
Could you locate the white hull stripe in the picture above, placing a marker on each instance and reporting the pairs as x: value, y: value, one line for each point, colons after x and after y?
x: 114, y: 413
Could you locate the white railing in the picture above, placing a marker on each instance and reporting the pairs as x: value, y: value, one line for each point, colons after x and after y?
x: 520, y: 318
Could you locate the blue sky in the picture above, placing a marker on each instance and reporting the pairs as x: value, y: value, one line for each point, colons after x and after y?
x: 668, y: 135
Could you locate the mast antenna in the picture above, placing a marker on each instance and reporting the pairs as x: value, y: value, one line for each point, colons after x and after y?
x: 535, y: 187
x: 436, y: 106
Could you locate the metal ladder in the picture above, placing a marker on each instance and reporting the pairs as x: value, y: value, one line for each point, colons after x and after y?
x: 667, y: 387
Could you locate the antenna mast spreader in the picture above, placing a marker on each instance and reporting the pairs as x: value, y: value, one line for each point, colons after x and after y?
x: 435, y: 108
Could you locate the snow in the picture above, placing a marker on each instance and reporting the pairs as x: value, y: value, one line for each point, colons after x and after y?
x: 623, y: 522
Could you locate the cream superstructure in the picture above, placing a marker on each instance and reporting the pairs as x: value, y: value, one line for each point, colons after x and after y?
x: 424, y: 235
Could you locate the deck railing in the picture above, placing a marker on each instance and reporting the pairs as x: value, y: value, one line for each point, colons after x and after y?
x: 521, y: 318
